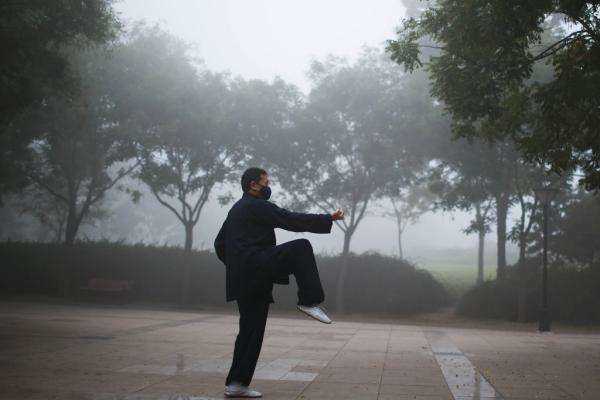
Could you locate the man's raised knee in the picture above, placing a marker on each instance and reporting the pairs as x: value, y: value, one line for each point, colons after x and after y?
x: 304, y: 244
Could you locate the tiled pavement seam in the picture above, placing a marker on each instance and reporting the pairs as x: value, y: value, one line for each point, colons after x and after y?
x: 415, y: 373
x: 461, y: 376
x: 387, y: 349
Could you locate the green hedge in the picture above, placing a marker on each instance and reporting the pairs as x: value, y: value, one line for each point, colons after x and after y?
x: 573, y: 292
x: 374, y: 282
x: 379, y: 283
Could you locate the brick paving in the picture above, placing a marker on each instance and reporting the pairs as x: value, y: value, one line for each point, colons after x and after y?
x: 95, y: 352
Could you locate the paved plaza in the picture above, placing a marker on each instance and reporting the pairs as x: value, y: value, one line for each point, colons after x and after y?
x: 95, y: 352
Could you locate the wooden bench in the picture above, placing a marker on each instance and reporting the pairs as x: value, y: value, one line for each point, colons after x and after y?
x: 119, y: 290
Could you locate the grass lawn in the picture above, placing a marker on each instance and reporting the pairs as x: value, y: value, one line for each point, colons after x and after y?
x: 456, y: 268
x: 457, y: 278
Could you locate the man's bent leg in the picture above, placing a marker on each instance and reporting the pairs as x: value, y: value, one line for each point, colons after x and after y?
x: 297, y: 257
x: 253, y: 319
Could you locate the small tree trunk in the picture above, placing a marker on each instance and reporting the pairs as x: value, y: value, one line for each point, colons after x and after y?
x: 72, y: 225
x: 187, y: 268
x: 399, y: 224
x: 521, y: 248
x: 70, y: 274
x: 501, y: 213
x: 60, y: 230
x: 522, y: 244
x: 346, y: 248
x: 522, y: 234
x: 481, y: 244
x: 189, y: 237
x: 341, y: 282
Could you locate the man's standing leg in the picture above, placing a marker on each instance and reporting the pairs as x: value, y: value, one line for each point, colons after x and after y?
x: 253, y: 319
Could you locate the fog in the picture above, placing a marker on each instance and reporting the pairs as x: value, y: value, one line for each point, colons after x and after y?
x: 264, y: 39
x: 379, y: 181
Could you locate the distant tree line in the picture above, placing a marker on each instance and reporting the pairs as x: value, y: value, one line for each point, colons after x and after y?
x: 96, y: 105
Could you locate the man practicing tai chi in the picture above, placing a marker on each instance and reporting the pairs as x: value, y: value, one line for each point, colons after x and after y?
x: 246, y: 245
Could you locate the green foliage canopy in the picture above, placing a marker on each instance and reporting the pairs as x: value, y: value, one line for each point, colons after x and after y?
x: 488, y: 51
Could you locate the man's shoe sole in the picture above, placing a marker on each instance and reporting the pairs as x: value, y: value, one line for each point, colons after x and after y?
x: 315, y: 318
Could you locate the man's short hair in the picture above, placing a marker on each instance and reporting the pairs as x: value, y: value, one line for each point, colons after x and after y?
x: 251, y: 174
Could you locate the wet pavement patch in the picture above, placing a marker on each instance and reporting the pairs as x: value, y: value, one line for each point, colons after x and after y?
x: 463, y: 380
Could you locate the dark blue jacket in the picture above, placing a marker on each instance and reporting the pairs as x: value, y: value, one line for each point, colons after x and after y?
x: 247, y: 232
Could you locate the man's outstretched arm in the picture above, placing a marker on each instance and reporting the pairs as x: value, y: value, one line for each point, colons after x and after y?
x: 277, y: 217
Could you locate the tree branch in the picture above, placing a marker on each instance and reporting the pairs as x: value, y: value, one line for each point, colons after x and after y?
x: 315, y: 202
x: 588, y: 28
x: 555, y: 47
x: 170, y: 207
x: 432, y: 47
x: 200, y: 203
x: 119, y: 176
x: 49, y: 189
x: 361, y: 213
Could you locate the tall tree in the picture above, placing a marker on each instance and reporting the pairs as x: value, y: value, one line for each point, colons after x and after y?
x: 190, y: 152
x: 415, y: 122
x: 487, y: 51
x: 180, y: 112
x: 527, y: 179
x: 473, y: 174
x: 474, y: 115
x: 460, y: 183
x: 80, y: 152
x: 50, y: 212
x: 578, y: 229
x: 336, y: 154
x: 35, y: 38
x: 408, y: 205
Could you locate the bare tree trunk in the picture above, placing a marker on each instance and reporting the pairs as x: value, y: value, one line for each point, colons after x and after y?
x: 480, y: 223
x: 341, y: 282
x: 189, y: 237
x: 501, y: 214
x: 400, y: 251
x: 481, y: 243
x: 522, y: 244
x: 399, y: 224
x: 522, y: 233
x: 60, y: 229
x: 346, y: 248
x: 70, y: 274
x: 72, y: 224
x: 187, y: 268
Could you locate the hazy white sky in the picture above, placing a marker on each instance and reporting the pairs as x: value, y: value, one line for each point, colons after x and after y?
x: 266, y: 38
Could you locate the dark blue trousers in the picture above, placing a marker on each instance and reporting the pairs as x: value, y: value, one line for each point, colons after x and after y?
x: 296, y: 258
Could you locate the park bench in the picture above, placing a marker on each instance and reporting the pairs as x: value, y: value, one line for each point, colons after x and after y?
x: 119, y: 291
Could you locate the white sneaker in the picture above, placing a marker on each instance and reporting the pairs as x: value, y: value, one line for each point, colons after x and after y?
x: 238, y: 390
x: 315, y: 312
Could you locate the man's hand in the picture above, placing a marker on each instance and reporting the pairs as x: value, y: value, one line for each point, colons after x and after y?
x: 338, y: 214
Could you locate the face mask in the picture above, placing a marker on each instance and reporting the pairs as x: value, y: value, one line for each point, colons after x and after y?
x: 265, y: 191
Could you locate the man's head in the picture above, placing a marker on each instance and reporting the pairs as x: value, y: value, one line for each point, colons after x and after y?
x: 255, y: 181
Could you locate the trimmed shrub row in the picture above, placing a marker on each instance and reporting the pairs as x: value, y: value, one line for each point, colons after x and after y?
x: 374, y: 283
x: 573, y: 292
